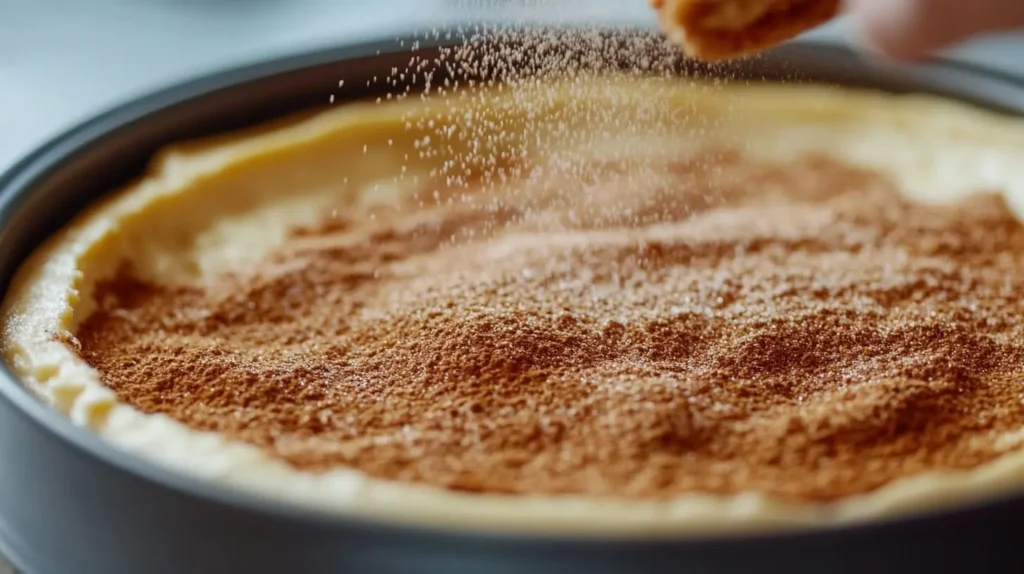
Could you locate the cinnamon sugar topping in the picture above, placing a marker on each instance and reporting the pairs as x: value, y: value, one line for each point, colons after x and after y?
x: 716, y: 325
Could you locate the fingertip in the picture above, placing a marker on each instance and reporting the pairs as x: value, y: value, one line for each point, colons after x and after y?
x: 911, y: 29
x: 886, y: 29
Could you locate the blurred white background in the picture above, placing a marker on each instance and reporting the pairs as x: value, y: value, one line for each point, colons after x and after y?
x: 64, y: 60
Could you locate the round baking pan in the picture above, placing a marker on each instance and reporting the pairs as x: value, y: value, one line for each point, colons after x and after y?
x: 70, y: 503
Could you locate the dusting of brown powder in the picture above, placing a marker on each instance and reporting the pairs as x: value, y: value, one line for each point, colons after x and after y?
x: 807, y: 333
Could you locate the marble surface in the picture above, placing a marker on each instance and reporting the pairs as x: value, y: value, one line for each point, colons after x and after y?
x: 64, y: 60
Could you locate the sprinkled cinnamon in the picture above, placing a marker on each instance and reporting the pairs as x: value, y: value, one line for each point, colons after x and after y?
x: 729, y: 325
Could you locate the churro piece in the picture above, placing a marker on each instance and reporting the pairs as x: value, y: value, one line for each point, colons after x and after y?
x: 724, y: 29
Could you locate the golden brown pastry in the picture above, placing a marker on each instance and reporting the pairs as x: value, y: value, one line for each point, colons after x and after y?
x: 722, y: 29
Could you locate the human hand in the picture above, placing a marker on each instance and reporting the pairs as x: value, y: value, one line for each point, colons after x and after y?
x: 909, y: 29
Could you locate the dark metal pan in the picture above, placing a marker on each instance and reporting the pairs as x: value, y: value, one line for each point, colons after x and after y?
x: 72, y: 504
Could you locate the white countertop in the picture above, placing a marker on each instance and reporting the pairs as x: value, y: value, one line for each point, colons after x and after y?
x: 64, y: 60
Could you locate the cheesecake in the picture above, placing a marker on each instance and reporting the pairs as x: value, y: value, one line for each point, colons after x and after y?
x: 629, y: 306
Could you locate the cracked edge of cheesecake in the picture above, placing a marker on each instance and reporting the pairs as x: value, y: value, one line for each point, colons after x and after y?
x: 711, y: 30
x: 52, y: 293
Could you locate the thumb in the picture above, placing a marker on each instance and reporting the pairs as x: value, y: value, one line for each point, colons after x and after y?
x: 908, y: 29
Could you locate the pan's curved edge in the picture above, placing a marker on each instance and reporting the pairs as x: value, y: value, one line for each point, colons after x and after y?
x: 144, y: 479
